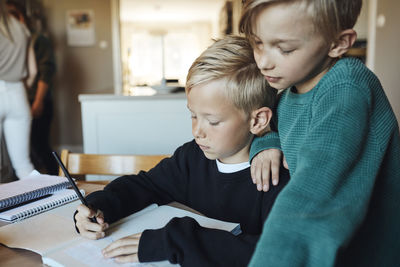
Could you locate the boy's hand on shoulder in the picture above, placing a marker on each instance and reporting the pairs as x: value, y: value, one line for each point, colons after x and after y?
x: 124, y: 250
x: 265, y: 166
x: 86, y: 227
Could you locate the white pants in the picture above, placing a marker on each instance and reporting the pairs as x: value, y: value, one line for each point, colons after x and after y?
x: 15, y: 123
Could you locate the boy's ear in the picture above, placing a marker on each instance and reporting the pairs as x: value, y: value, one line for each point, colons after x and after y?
x: 260, y: 119
x: 343, y: 43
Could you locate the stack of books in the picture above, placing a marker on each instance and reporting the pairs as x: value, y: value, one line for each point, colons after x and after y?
x: 33, y: 195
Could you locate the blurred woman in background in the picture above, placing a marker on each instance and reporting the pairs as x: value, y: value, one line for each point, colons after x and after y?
x: 15, y: 115
x: 40, y: 90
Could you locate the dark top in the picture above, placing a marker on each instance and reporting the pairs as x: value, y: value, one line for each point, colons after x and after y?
x: 190, y: 178
x: 46, y: 65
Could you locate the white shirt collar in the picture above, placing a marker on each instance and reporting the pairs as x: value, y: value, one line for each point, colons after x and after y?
x: 229, y: 168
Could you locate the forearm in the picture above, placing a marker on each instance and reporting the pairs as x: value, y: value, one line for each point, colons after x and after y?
x: 41, y: 91
x: 126, y: 195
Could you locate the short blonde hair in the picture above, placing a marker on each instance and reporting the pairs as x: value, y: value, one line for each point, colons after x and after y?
x: 231, y: 58
x: 329, y: 16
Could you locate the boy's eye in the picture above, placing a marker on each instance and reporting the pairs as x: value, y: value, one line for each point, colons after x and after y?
x: 257, y: 43
x: 286, y: 51
x: 214, y: 123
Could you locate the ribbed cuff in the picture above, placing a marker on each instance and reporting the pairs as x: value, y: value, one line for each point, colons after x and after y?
x: 150, y: 247
x: 268, y: 141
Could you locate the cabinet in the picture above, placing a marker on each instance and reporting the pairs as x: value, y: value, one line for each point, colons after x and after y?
x: 145, y: 125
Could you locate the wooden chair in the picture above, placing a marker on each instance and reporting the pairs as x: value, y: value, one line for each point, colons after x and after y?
x: 116, y: 165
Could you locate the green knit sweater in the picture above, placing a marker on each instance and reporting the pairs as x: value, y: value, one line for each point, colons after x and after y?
x: 342, y: 204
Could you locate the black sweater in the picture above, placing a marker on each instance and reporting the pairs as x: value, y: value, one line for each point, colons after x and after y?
x: 190, y: 178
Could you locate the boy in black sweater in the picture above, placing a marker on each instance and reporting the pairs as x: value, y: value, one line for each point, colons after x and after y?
x: 229, y: 103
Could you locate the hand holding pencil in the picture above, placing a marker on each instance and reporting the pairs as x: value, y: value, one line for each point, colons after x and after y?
x: 84, y: 223
x: 89, y: 223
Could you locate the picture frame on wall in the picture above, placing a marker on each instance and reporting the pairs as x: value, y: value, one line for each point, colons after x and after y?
x: 80, y: 27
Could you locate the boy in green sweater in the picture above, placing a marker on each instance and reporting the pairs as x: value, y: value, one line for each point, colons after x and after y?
x: 338, y: 134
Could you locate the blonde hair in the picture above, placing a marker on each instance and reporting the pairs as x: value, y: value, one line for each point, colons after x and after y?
x: 232, y: 59
x: 329, y: 16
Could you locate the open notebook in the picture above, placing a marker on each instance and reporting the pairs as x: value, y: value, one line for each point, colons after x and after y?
x: 60, y: 245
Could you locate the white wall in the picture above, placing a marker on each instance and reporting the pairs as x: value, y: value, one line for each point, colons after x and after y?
x: 361, y: 26
x: 387, y: 45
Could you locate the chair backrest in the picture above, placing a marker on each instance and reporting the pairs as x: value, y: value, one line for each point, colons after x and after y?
x: 82, y: 164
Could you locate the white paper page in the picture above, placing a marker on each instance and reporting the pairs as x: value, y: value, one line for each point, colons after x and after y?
x: 158, y: 218
x: 42, y: 232
x: 88, y: 254
x: 47, y: 231
x: 83, y: 252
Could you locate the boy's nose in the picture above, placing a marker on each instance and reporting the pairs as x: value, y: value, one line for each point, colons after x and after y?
x: 197, y: 131
x: 264, y: 61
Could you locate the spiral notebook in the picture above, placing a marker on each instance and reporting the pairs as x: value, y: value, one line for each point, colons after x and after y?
x: 34, y: 186
x: 32, y: 208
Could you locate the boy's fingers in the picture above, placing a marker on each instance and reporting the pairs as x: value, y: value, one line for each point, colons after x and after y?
x: 129, y: 258
x: 84, y: 223
x: 82, y: 217
x: 120, y: 246
x: 87, y: 228
x: 266, y: 174
x: 99, y: 217
x: 275, y: 172
x: 253, y: 171
x: 85, y: 211
x: 95, y: 227
x: 92, y: 235
x: 113, y: 246
x: 124, y: 246
x: 122, y: 251
x: 257, y: 178
x: 285, y: 163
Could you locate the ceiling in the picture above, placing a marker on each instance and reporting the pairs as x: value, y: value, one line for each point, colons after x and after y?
x: 169, y: 10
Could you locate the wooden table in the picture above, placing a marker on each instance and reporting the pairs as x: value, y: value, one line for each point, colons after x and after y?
x: 26, y: 258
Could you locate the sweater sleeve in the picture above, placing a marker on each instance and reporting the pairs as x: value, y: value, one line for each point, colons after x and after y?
x: 327, y: 196
x: 125, y: 195
x: 268, y: 141
x: 185, y: 242
x: 45, y: 59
